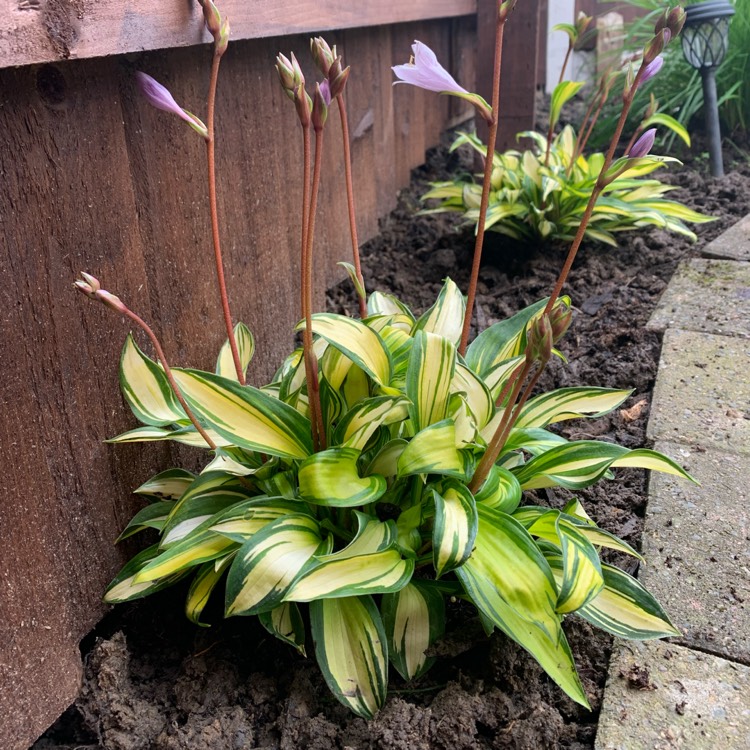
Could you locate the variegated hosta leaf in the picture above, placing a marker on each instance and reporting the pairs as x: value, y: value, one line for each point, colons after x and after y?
x: 124, y: 587
x: 239, y: 522
x: 246, y: 416
x: 233, y: 461
x: 155, y: 434
x: 476, y: 394
x: 623, y: 607
x: 580, y: 464
x: 352, y: 273
x: 208, y: 575
x: 382, y: 303
x: 358, y: 342
x: 334, y: 366
x: 285, y: 622
x: 511, y: 583
x: 407, y: 525
x: 501, y: 341
x: 386, y: 459
x: 245, y: 348
x: 582, y: 571
x: 500, y: 490
x: 146, y: 388
x: 356, y: 386
x: 333, y: 577
x: 570, y: 403
x: 331, y: 478
x: 167, y: 485
x: 207, y: 495
x: 199, y: 547
x: 533, y: 440
x: 544, y: 523
x: 432, y: 363
x: 414, y: 618
x: 351, y: 649
x: 455, y: 526
x: 446, y: 317
x: 268, y: 563
x: 153, y: 516
x: 563, y: 92
x: 360, y: 422
x: 497, y: 378
x: 433, y: 451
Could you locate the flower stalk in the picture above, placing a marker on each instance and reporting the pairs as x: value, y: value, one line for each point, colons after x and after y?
x: 91, y: 287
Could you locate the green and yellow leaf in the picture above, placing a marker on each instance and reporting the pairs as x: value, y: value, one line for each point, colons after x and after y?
x: 433, y: 451
x: 455, y: 526
x: 245, y: 348
x: 431, y: 368
x: 205, y: 581
x: 446, y: 317
x: 124, y: 587
x: 285, y: 622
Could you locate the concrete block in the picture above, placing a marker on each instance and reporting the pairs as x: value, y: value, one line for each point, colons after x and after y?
x: 695, y: 541
x: 734, y: 244
x: 702, y: 392
x: 664, y: 697
x: 712, y: 296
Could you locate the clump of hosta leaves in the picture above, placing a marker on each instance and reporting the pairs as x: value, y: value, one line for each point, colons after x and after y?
x: 532, y: 202
x: 368, y: 536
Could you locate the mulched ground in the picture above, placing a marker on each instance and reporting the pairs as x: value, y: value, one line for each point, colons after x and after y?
x: 155, y: 681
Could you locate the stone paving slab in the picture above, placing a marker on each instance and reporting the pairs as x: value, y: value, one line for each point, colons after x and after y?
x: 695, y: 541
x: 706, y: 295
x: 734, y: 244
x: 664, y: 697
x: 702, y: 391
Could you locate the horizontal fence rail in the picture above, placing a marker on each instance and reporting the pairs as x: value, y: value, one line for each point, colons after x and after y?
x: 37, y: 31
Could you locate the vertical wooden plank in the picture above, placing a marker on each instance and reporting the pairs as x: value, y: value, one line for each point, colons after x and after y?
x: 463, y: 66
x: 519, y: 74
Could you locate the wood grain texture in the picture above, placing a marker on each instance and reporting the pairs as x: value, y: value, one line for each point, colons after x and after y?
x: 35, y: 31
x: 519, y: 67
x: 95, y: 179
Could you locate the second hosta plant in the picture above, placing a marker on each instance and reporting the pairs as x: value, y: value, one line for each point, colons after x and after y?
x: 382, y: 471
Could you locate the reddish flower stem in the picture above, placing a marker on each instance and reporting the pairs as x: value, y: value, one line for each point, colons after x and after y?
x: 211, y: 154
x: 559, y: 81
x: 350, y: 202
x: 311, y: 370
x: 595, y: 193
x: 488, y: 162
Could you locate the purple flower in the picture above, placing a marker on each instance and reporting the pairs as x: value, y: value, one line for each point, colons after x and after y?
x: 643, y: 145
x: 158, y: 96
x: 325, y: 90
x: 651, y: 69
x: 426, y: 72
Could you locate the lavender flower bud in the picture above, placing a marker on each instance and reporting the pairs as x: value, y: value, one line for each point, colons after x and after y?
x: 158, y: 96
x: 303, y: 104
x: 212, y: 17
x: 651, y: 69
x: 661, y: 21
x: 321, y: 100
x: 656, y: 46
x: 338, y: 83
x: 539, y: 340
x: 676, y: 20
x: 286, y: 74
x: 560, y: 318
x: 643, y: 145
x: 322, y: 54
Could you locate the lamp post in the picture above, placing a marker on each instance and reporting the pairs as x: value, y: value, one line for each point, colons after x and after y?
x: 704, y: 43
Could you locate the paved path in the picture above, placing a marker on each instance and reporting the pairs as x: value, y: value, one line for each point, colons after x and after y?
x: 693, y: 693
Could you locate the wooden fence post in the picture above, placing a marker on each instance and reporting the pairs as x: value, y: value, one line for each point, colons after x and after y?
x: 519, y: 74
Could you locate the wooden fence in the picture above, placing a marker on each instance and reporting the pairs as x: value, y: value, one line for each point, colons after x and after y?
x: 94, y: 179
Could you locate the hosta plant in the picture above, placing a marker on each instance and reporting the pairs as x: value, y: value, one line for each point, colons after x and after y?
x: 382, y: 470
x: 540, y: 194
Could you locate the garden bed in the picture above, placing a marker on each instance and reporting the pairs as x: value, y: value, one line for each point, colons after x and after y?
x: 153, y: 680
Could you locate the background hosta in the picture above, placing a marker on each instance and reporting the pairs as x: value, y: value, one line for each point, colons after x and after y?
x: 368, y: 536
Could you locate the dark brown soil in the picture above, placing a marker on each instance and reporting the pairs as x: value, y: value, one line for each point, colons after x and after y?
x: 155, y: 681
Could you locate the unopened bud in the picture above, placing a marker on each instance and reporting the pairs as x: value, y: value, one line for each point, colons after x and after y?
x: 321, y: 100
x: 560, y: 319
x: 299, y: 78
x: 652, y: 108
x: 506, y: 8
x: 92, y: 281
x: 286, y: 74
x: 338, y: 84
x: 212, y: 17
x: 322, y: 54
x: 582, y: 23
x: 643, y: 145
x: 656, y: 46
x: 539, y: 340
x: 651, y: 69
x: 222, y: 42
x: 676, y: 20
x: 111, y: 301
x: 91, y: 287
x: 303, y: 104
x: 661, y: 21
